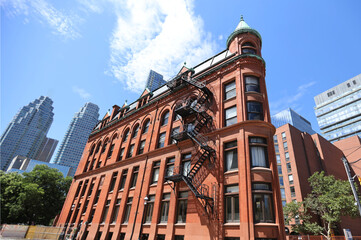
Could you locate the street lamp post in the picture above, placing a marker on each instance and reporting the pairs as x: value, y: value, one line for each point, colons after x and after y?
x: 141, y: 224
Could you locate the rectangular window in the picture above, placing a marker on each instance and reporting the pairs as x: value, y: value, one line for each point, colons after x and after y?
x: 155, y: 174
x: 275, y: 139
x: 283, y: 136
x: 160, y: 237
x: 285, y: 147
x: 91, y: 216
x: 161, y: 140
x: 182, y: 207
x: 112, y: 182
x: 123, y: 180
x: 281, y: 181
x: 254, y: 111
x: 78, y: 189
x: 279, y: 168
x: 128, y: 207
x: 91, y: 188
x: 170, y: 167
x: 252, y: 84
x: 131, y: 149
x: 178, y: 237
x: 290, y: 179
x: 289, y: 168
x: 277, y: 149
x: 84, y: 188
x: 283, y: 193
x: 258, y: 149
x: 278, y: 158
x: 164, y: 208
x: 232, y: 203
x: 121, y: 154
x: 116, y: 211
x: 134, y: 177
x: 105, y: 212
x: 287, y: 156
x: 175, y: 131
x: 111, y: 151
x: 97, y: 196
x: 141, y: 147
x: 85, y: 206
x: 293, y: 192
x: 262, y: 203
x: 149, y: 209
x: 230, y: 116
x: 229, y: 90
x: 230, y: 156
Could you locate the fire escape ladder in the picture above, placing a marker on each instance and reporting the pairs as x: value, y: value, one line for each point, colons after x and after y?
x: 188, y: 110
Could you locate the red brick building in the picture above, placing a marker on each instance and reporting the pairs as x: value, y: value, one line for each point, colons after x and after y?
x: 299, y: 155
x: 192, y: 160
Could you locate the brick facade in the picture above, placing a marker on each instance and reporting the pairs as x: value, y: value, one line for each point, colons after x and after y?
x: 215, y: 198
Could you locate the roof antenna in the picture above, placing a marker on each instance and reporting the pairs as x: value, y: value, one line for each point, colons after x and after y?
x: 242, y: 18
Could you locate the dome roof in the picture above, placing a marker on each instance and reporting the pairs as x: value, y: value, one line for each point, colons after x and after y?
x: 242, y: 27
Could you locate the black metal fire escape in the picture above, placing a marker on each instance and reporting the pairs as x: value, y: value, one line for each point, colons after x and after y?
x: 195, y: 119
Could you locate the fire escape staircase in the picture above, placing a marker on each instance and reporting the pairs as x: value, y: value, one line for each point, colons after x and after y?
x: 196, y: 108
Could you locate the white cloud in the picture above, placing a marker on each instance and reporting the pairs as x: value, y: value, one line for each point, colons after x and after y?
x: 291, y: 99
x: 59, y: 22
x: 220, y: 37
x: 158, y: 35
x: 81, y: 92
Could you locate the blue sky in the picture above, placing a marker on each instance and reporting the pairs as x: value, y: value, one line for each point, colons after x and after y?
x: 101, y: 51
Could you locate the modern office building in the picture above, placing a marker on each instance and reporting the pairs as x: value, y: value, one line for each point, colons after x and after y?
x: 76, y: 136
x: 293, y: 118
x: 338, y: 110
x: 192, y: 160
x: 298, y: 156
x: 23, y: 164
x: 27, y: 131
x: 46, y: 149
x: 154, y: 81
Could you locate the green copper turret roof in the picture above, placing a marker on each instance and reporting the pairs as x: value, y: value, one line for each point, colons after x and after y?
x: 242, y: 27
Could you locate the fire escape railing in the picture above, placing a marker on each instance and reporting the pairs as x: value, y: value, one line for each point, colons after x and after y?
x: 195, y: 108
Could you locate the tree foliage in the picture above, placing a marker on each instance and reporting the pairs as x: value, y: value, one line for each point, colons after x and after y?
x: 329, y: 199
x: 34, y: 197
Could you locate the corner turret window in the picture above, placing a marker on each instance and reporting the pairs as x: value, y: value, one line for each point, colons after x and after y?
x: 248, y: 48
x: 252, y: 84
x: 254, y: 111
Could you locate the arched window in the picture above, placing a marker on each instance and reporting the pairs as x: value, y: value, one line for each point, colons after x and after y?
x: 92, y: 150
x: 135, y: 131
x: 105, y: 145
x: 165, y: 118
x: 248, y: 48
x: 98, y: 147
x: 146, y: 126
x: 125, y: 136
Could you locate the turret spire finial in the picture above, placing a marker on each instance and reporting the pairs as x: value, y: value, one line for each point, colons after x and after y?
x: 242, y: 18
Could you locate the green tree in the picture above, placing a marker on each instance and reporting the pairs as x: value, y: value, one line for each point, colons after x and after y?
x: 34, y: 197
x: 329, y: 199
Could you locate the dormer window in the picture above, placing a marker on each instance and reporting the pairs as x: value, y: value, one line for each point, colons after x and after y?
x: 248, y: 48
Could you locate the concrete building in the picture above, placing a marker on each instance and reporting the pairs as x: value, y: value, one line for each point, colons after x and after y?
x: 293, y: 118
x: 76, y: 136
x: 338, y: 110
x: 23, y: 164
x: 192, y: 160
x: 154, y: 81
x: 299, y: 155
x: 27, y: 131
x: 46, y: 149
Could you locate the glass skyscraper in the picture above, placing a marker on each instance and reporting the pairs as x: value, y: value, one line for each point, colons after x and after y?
x: 26, y: 132
x: 293, y: 118
x: 76, y: 136
x: 338, y: 110
x: 155, y: 80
